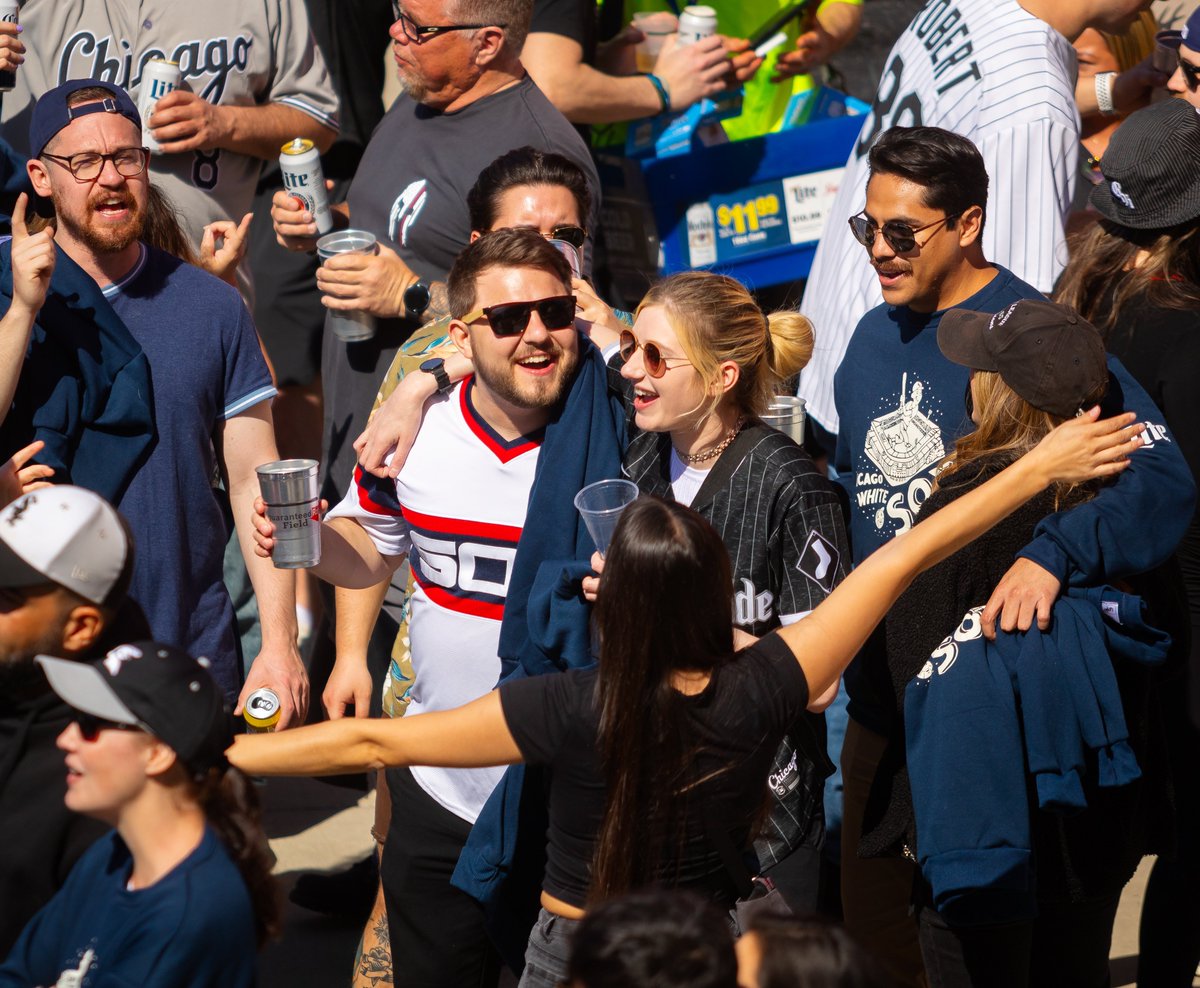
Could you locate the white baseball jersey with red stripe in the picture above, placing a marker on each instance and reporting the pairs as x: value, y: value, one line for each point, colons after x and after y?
x: 457, y: 509
x: 991, y: 71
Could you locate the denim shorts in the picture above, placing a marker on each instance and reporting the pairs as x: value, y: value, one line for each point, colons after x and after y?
x: 548, y: 950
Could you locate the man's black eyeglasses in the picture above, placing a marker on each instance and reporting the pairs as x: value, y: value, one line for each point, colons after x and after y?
x: 1191, y: 73
x: 899, y: 236
x: 512, y: 318
x: 90, y: 726
x: 420, y: 33
x: 87, y: 165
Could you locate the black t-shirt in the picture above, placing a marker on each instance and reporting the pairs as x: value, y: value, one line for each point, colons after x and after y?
x: 574, y: 19
x: 736, y: 725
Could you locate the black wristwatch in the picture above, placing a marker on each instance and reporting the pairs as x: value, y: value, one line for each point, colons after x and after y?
x: 416, y: 299
x: 437, y: 367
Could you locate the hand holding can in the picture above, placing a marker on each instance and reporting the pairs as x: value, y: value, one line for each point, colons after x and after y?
x: 261, y: 711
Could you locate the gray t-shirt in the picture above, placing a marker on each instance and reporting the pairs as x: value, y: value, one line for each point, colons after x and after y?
x: 411, y: 192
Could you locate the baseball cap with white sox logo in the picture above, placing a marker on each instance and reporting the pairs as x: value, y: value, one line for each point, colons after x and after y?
x: 156, y: 687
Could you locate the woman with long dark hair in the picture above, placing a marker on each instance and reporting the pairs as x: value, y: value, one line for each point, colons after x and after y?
x: 659, y: 753
x: 181, y: 892
x: 1136, y: 275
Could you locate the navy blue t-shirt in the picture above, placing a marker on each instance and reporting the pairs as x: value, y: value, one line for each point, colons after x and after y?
x: 194, y: 928
x: 205, y: 366
x: 901, y: 405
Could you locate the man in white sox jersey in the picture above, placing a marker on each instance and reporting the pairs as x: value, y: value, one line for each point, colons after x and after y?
x: 1002, y: 73
x: 253, y: 78
x: 456, y: 511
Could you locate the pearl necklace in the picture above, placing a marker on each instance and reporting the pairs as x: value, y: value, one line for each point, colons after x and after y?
x: 715, y: 451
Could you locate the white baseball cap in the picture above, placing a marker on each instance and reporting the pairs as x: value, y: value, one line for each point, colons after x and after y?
x: 65, y: 535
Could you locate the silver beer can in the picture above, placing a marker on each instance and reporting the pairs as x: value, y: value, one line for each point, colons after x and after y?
x: 289, y: 488
x: 9, y: 11
x: 159, y: 77
x: 696, y: 23
x: 303, y: 179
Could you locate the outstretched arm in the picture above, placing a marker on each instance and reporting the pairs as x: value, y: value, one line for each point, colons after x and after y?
x: 470, y: 736
x: 826, y: 641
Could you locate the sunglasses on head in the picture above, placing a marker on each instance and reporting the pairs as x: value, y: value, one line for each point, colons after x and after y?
x: 90, y: 725
x: 1191, y: 73
x: 652, y: 357
x: 899, y: 236
x: 512, y: 318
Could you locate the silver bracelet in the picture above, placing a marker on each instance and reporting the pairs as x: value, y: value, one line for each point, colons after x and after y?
x: 1104, y: 93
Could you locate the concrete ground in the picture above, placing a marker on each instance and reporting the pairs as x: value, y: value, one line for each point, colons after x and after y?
x: 318, y: 827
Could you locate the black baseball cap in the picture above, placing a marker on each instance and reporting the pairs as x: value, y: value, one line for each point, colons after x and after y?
x: 156, y: 687
x: 1151, y: 179
x: 51, y: 113
x: 1046, y: 352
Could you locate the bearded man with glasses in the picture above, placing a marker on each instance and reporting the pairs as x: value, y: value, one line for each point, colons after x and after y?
x: 901, y: 406
x: 210, y: 389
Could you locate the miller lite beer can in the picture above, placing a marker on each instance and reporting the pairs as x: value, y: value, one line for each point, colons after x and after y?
x: 696, y: 23
x: 9, y: 9
x: 304, y: 180
x: 261, y: 711
x: 159, y: 77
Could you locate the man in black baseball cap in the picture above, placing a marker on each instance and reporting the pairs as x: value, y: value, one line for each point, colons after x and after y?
x: 66, y: 558
x: 1044, y: 351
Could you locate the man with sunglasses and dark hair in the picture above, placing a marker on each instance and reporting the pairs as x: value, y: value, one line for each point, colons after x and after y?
x: 66, y: 559
x: 901, y: 408
x: 1186, y: 80
x: 469, y: 511
x: 210, y: 394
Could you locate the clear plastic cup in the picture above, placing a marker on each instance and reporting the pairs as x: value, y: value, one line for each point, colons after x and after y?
x: 352, y: 327
x: 786, y: 413
x: 655, y: 25
x: 601, y: 505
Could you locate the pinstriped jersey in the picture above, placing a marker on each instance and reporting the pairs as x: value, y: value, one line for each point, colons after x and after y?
x: 457, y: 509
x: 988, y: 70
x: 781, y: 522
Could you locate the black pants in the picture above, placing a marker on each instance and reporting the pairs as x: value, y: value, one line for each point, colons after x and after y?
x: 1065, y: 947
x: 437, y: 932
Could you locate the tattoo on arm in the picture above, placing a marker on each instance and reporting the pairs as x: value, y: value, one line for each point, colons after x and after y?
x: 374, y: 964
x: 439, y: 302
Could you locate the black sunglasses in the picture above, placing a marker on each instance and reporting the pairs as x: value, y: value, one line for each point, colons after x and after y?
x: 420, y: 33
x: 1191, y: 73
x: 90, y: 725
x: 652, y: 357
x: 576, y: 236
x: 512, y: 318
x: 899, y: 236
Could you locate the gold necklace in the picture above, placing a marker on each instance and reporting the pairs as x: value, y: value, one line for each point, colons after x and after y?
x: 715, y: 451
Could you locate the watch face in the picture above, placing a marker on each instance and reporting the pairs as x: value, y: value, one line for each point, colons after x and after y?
x: 432, y: 365
x: 416, y: 297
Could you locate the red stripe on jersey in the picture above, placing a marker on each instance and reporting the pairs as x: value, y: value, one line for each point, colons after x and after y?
x: 504, y: 452
x: 463, y: 605
x: 459, y: 526
x: 365, y: 499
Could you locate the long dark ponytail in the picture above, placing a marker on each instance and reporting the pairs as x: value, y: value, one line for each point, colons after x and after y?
x: 666, y: 606
x: 231, y: 808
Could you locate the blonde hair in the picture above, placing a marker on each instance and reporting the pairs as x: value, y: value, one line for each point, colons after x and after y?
x: 1009, y: 427
x: 717, y: 320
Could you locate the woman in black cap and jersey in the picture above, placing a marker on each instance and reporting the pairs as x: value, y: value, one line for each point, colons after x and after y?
x: 180, y: 893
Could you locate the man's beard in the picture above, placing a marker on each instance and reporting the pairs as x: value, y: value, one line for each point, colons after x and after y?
x: 539, y: 393
x: 106, y: 239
